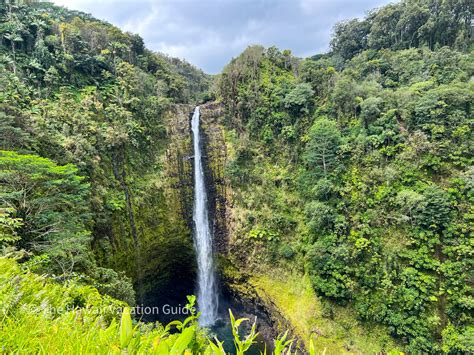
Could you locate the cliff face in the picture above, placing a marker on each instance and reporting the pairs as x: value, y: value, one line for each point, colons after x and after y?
x: 172, y: 251
x: 281, y: 299
x: 178, y: 172
x: 161, y: 262
x: 237, y: 283
x: 215, y: 154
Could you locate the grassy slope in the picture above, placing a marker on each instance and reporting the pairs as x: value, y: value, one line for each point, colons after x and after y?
x: 291, y: 292
x: 39, y: 316
x: 299, y: 304
x: 28, y: 322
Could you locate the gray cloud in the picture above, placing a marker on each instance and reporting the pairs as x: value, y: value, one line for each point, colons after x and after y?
x: 209, y: 33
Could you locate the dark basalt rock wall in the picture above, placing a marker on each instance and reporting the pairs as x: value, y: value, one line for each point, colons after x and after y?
x: 178, y: 160
x: 167, y: 260
x: 215, y: 161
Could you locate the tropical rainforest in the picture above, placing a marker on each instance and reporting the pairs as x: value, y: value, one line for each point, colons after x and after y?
x: 341, y: 186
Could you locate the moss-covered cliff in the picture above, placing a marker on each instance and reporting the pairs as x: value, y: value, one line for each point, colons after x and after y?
x: 161, y: 262
x: 98, y: 103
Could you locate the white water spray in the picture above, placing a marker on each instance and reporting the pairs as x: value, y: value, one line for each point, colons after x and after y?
x: 207, y: 291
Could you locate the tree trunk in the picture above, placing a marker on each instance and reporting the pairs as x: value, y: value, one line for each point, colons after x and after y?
x: 14, y: 56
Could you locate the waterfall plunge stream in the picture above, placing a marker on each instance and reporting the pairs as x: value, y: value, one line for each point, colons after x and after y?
x: 207, y: 290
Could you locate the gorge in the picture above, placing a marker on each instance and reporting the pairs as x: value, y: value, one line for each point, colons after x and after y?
x: 329, y: 196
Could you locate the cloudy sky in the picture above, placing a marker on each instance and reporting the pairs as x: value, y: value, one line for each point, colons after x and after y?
x: 208, y: 33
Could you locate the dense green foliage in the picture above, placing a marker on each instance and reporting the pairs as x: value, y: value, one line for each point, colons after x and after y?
x: 76, y: 319
x: 82, y: 129
x: 353, y: 167
x: 49, y: 200
x: 407, y: 24
x: 356, y: 166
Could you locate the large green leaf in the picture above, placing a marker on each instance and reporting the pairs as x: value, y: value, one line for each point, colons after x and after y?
x: 126, y: 328
x: 183, y: 340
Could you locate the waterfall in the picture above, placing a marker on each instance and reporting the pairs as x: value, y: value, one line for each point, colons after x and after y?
x: 207, y: 290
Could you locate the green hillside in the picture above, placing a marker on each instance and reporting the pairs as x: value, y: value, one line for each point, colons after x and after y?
x: 341, y: 185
